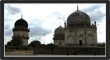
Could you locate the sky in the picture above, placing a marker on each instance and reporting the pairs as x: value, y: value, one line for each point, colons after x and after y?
x: 44, y: 18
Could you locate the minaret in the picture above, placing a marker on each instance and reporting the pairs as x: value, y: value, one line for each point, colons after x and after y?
x: 60, y: 23
x: 21, y: 16
x: 65, y: 24
x: 77, y: 8
x: 21, y: 30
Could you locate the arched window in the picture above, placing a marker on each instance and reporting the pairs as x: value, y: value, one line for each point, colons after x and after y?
x: 81, y: 40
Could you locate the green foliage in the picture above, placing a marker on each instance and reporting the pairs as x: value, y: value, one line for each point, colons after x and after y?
x: 16, y: 41
x: 35, y: 43
x: 51, y: 45
x: 9, y: 44
x: 101, y: 44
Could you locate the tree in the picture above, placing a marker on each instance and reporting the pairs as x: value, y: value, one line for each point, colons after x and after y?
x: 51, y: 45
x: 9, y: 43
x: 34, y: 43
x: 16, y: 41
x: 101, y: 44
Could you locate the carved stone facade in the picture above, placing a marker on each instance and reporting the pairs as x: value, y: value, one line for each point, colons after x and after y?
x: 78, y: 31
x: 21, y: 30
x: 79, y: 37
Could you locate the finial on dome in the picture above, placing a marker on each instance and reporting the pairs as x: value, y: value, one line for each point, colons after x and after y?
x: 60, y: 23
x: 77, y: 7
x: 65, y: 24
x: 21, y: 16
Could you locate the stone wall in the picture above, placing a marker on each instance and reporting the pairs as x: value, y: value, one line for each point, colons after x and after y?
x: 69, y: 51
x: 73, y: 36
x: 59, y: 42
x: 23, y: 34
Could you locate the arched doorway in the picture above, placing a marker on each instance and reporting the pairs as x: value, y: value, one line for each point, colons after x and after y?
x: 80, y: 42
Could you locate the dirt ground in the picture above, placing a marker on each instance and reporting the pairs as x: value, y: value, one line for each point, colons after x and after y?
x: 19, y: 52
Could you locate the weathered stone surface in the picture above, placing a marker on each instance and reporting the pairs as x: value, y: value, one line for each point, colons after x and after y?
x: 69, y: 51
x: 21, y: 30
x: 78, y: 31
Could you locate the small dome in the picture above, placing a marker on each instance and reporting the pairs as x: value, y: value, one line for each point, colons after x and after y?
x: 78, y: 16
x: 21, y: 23
x: 59, y: 30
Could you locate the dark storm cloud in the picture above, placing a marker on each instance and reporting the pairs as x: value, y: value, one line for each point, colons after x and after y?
x: 58, y: 15
x: 95, y: 13
x: 36, y: 28
x: 12, y: 10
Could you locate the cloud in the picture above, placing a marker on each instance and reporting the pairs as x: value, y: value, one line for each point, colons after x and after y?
x: 58, y: 15
x: 8, y: 31
x: 8, y: 25
x: 9, y: 16
x: 38, y: 31
x: 12, y: 10
x: 95, y: 13
x: 36, y: 28
x: 92, y: 8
